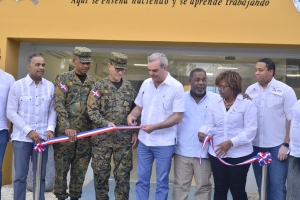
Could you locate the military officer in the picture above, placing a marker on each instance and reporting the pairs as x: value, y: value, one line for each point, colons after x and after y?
x: 109, y: 103
x: 71, y: 93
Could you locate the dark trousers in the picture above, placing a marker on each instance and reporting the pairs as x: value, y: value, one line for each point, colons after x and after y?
x: 74, y: 156
x: 230, y: 177
x: 101, y: 164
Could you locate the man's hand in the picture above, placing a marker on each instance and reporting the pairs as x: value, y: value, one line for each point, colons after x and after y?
x: 201, y: 136
x: 49, y: 135
x: 246, y: 96
x: 71, y: 133
x: 223, y: 148
x: 111, y: 124
x: 134, y: 140
x: 34, y: 136
x: 282, y: 153
x: 149, y: 128
x: 131, y: 120
x: 9, y: 134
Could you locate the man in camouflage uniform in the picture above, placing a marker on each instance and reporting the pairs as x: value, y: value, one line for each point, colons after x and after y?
x: 109, y: 103
x: 71, y: 93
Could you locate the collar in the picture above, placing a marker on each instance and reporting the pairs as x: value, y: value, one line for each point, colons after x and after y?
x: 29, y: 80
x: 75, y: 77
x: 239, y: 97
x: 272, y: 83
x: 189, y: 93
x: 168, y: 80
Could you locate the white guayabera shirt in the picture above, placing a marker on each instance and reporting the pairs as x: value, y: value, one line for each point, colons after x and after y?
x: 30, y: 107
x: 158, y: 105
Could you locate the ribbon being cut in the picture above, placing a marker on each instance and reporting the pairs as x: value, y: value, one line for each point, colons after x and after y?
x: 41, y: 146
x: 263, y: 158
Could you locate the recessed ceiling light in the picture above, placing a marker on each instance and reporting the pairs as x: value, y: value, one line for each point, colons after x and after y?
x: 141, y: 65
x: 293, y: 75
x: 209, y: 74
x: 227, y: 68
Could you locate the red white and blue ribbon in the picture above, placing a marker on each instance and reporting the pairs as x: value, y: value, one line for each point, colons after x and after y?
x: 263, y: 158
x: 41, y: 146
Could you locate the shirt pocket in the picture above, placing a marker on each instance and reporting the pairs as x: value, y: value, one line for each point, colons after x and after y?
x: 254, y: 97
x: 274, y: 100
x: 236, y: 117
x: 46, y: 100
x: 26, y: 102
x: 25, y: 99
x: 167, y: 104
x: 107, y: 102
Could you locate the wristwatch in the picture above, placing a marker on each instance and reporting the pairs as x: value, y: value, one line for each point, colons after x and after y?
x: 286, y: 144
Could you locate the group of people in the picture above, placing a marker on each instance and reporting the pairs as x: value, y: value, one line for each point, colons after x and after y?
x: 173, y: 123
x: 264, y: 119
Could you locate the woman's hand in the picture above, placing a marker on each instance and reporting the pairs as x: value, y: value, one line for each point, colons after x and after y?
x: 201, y: 136
x: 223, y: 148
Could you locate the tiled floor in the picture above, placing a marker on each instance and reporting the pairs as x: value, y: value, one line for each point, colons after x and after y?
x: 89, y: 192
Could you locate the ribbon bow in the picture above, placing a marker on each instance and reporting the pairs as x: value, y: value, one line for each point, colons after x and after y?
x: 40, y: 147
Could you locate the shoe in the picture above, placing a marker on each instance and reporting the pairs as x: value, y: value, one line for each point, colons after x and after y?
x: 73, y: 198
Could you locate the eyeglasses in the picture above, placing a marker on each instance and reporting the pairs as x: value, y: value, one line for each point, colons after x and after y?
x: 120, y: 70
x: 39, y: 64
x: 222, y: 87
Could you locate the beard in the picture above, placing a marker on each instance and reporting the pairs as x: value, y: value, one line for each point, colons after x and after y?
x: 197, y: 94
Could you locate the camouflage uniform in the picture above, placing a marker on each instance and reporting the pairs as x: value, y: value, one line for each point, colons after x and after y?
x: 107, y: 104
x: 71, y: 107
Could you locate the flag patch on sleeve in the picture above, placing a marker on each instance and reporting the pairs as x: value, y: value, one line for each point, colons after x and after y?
x: 63, y: 87
x: 95, y: 93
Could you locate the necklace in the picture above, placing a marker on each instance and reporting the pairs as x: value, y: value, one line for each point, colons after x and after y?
x: 228, y: 104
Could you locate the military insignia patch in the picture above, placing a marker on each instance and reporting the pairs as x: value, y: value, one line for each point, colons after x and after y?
x: 95, y: 93
x: 63, y: 87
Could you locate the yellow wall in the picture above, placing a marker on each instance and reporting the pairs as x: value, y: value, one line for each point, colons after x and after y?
x: 61, y: 21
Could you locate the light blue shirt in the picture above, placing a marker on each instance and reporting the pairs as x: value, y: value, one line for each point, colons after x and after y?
x: 187, y: 130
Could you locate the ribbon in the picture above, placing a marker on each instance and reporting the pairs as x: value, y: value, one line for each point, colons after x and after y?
x: 41, y: 146
x: 263, y: 158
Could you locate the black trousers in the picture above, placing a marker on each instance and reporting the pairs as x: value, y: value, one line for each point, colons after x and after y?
x: 230, y: 177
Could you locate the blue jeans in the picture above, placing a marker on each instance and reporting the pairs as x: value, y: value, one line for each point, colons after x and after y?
x: 3, y: 143
x: 23, y: 151
x: 277, y: 174
x: 145, y: 158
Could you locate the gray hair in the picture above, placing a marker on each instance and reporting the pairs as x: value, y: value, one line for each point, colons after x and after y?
x: 33, y: 55
x: 158, y: 56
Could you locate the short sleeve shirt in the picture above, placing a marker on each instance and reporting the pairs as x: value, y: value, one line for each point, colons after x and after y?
x: 158, y: 104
